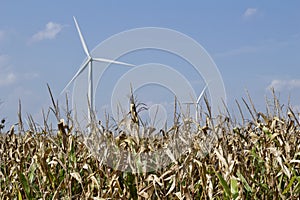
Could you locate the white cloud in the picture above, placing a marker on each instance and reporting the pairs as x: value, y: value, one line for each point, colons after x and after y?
x: 30, y: 75
x: 7, y: 77
x: 282, y: 85
x: 50, y: 32
x: 249, y: 12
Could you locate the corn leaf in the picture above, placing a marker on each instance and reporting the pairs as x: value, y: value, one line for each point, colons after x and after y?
x: 224, y: 184
x: 25, y: 185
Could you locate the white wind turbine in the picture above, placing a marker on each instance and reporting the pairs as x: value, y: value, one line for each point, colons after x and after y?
x: 198, y: 101
x: 88, y: 63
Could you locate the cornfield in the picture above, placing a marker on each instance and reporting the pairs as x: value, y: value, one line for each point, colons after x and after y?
x: 258, y: 158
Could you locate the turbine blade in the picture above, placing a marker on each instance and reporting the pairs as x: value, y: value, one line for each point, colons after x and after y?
x: 202, y: 93
x: 86, y: 50
x: 77, y: 74
x: 112, y: 61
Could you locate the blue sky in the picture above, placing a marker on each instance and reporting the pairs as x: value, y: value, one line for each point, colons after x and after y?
x: 255, y: 44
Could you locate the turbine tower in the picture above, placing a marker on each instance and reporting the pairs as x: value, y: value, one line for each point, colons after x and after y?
x: 89, y: 63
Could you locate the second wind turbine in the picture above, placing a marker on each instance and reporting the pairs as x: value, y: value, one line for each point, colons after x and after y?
x: 88, y: 63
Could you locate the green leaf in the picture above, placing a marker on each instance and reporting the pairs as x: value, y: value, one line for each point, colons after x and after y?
x: 224, y: 184
x: 297, y: 189
x: 244, y: 181
x: 19, y: 195
x: 31, y: 173
x: 267, y: 131
x: 130, y: 183
x: 289, y: 185
x: 234, y: 188
x: 72, y: 153
x: 25, y: 185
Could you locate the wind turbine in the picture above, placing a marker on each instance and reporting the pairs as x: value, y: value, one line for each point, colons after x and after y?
x: 198, y: 101
x: 89, y: 63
